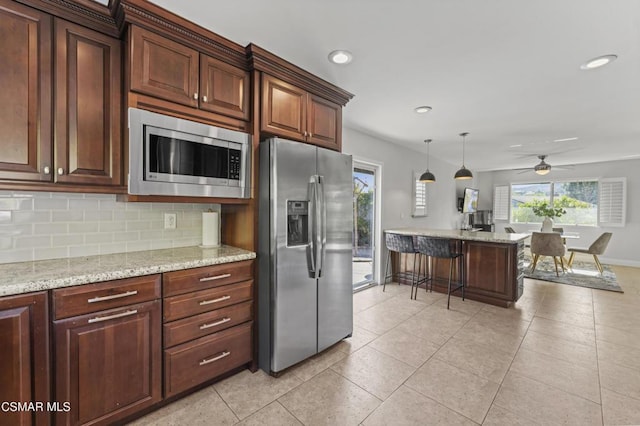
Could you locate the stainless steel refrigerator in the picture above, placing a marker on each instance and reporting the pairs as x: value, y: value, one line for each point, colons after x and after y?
x: 305, y: 301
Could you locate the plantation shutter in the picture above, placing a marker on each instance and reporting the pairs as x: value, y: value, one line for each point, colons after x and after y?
x: 501, y: 202
x: 612, y: 203
x: 419, y: 196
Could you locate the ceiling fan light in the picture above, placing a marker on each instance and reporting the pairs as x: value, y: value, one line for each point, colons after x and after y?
x: 463, y: 174
x: 543, y: 172
x: 427, y: 177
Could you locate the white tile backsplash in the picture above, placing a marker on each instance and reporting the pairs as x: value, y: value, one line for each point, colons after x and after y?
x: 45, y: 225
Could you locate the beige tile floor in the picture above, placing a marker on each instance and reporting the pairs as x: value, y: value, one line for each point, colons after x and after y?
x: 564, y: 355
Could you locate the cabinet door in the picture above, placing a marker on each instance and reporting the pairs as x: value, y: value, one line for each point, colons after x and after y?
x: 108, y: 363
x: 225, y: 88
x: 25, y: 97
x: 24, y: 356
x: 283, y: 108
x: 163, y: 68
x: 324, y: 123
x: 88, y: 123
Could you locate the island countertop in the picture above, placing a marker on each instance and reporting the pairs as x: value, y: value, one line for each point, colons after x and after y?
x: 489, y: 237
x: 25, y: 277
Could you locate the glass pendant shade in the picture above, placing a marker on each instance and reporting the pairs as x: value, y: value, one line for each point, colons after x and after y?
x: 427, y: 176
x: 463, y: 173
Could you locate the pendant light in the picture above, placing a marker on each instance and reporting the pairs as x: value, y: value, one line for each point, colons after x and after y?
x: 463, y: 173
x: 427, y: 176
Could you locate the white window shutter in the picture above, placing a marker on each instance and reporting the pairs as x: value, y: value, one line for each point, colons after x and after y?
x: 419, y: 196
x: 501, y: 202
x: 612, y: 203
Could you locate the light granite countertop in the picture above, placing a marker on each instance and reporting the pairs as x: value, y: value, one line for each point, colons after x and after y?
x: 25, y: 277
x: 491, y: 237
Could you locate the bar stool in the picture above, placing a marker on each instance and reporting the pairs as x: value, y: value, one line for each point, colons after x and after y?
x: 438, y: 248
x: 399, y: 244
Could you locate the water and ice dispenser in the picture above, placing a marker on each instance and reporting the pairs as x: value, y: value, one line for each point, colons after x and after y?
x: 297, y: 223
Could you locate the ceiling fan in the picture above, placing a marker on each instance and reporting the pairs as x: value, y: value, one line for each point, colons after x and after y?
x: 542, y: 168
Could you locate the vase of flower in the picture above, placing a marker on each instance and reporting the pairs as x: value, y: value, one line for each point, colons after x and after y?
x: 542, y: 209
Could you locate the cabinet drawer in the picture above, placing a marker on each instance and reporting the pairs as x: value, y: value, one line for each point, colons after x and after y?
x: 68, y: 302
x: 186, y: 329
x: 195, y: 362
x: 179, y: 282
x: 197, y: 302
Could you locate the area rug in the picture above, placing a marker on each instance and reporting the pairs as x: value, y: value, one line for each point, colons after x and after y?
x: 581, y: 274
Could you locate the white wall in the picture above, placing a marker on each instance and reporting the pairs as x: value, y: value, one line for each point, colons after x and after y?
x: 622, y: 249
x: 398, y: 164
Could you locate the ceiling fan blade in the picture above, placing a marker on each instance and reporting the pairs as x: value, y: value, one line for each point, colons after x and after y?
x: 524, y: 171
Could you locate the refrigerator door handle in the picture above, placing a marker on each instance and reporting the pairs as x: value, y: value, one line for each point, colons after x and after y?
x: 311, y: 227
x: 322, y: 234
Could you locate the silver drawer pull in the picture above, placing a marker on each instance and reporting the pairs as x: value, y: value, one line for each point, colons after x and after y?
x: 113, y: 296
x: 219, y: 299
x: 215, y: 358
x: 213, y: 324
x: 108, y: 317
x: 216, y: 277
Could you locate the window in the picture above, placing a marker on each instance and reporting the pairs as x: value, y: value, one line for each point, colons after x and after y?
x: 419, y: 196
x: 501, y: 202
x: 578, y: 198
x: 612, y: 202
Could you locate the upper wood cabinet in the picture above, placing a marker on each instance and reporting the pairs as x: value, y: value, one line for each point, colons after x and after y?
x: 25, y: 98
x: 81, y: 144
x: 291, y: 112
x: 88, y: 110
x: 168, y: 70
x: 24, y: 356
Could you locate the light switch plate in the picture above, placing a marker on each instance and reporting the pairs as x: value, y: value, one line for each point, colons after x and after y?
x: 170, y: 221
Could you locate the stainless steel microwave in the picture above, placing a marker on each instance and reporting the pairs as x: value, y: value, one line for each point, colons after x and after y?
x: 172, y: 156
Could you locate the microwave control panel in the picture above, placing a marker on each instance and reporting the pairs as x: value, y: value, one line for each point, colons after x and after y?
x: 234, y: 164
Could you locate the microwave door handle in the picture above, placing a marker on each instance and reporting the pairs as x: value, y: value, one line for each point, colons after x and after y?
x: 311, y: 229
x: 322, y: 234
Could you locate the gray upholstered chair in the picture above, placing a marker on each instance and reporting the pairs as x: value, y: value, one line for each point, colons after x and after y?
x: 442, y: 248
x: 558, y: 230
x: 399, y: 244
x: 547, y: 244
x: 597, y: 248
x: 509, y: 230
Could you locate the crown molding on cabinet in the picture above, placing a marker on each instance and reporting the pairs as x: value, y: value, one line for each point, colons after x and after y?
x: 263, y: 60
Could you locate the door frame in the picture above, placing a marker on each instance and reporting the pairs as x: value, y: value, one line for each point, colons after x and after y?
x: 376, y: 168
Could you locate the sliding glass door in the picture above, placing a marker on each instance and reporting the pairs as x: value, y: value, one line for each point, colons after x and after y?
x: 364, y: 190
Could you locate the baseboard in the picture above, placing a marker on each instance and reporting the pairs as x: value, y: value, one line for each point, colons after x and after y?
x: 619, y: 262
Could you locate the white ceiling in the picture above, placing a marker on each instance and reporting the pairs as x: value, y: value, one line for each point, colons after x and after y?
x: 507, y: 71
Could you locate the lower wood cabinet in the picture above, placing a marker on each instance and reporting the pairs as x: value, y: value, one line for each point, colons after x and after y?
x: 108, y: 362
x: 24, y: 357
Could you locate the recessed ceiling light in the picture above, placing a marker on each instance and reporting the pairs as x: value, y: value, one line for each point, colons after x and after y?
x: 515, y: 146
x: 598, y: 62
x: 422, y: 109
x: 565, y: 139
x: 340, y: 57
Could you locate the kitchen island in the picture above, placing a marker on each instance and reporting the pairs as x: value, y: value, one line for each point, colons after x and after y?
x: 493, y: 263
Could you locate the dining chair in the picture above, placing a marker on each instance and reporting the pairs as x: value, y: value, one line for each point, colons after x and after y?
x: 596, y: 248
x: 440, y: 248
x: 558, y: 230
x: 399, y: 244
x: 547, y: 244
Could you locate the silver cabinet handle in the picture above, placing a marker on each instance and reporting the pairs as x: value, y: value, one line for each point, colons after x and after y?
x: 310, y: 134
x: 108, y: 317
x: 195, y: 96
x: 113, y: 296
x: 215, y: 358
x: 305, y: 134
x: 216, y: 277
x: 219, y: 299
x: 204, y: 99
x: 213, y: 324
x: 60, y: 171
x: 47, y: 170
